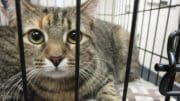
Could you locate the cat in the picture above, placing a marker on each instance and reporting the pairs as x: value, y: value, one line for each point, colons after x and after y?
x: 49, y: 42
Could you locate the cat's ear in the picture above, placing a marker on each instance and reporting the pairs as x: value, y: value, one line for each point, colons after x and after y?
x: 9, y: 11
x: 89, y: 6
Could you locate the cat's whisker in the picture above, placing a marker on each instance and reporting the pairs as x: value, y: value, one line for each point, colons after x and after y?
x: 34, y: 74
x: 17, y: 91
x: 33, y: 71
x: 37, y: 76
x: 14, y: 89
x: 11, y: 80
x: 9, y: 92
x: 31, y: 76
x: 17, y: 85
x: 11, y: 89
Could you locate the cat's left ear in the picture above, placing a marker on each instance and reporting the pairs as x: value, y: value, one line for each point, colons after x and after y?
x: 89, y: 7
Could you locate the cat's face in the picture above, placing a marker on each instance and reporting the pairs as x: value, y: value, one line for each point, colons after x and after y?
x: 50, y: 43
x: 49, y: 40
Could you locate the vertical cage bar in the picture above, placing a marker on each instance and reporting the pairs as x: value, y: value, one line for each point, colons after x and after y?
x: 125, y: 14
x: 46, y: 3
x: 39, y: 2
x: 21, y: 47
x: 147, y: 37
x: 154, y: 39
x: 129, y: 8
x: 113, y: 11
x: 105, y: 14
x: 77, y: 56
x: 121, y: 12
x: 142, y: 69
x: 55, y: 2
x: 179, y: 21
x: 143, y: 11
x: 0, y: 19
x: 166, y: 27
x: 131, y: 43
x: 72, y: 1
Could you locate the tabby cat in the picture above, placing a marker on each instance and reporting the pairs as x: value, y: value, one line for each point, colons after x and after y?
x: 49, y: 40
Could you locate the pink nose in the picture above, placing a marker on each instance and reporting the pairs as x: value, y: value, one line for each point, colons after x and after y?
x: 56, y: 60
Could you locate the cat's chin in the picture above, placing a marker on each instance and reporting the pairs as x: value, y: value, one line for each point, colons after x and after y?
x: 57, y: 74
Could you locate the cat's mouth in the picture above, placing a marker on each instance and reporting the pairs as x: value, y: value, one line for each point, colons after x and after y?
x: 58, y: 74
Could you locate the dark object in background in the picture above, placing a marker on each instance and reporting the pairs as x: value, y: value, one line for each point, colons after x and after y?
x: 173, y: 48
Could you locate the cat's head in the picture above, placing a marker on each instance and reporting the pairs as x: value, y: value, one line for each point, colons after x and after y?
x: 49, y: 38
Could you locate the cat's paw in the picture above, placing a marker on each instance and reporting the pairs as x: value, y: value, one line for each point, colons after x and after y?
x: 108, y: 93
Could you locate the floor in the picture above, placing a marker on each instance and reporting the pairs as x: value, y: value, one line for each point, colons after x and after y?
x: 141, y: 90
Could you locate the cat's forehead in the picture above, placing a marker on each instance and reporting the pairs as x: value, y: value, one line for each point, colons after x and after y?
x: 44, y: 17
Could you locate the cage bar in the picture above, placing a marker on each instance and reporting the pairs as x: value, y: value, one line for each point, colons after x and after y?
x: 77, y: 56
x: 128, y: 14
x: 147, y: 37
x: 131, y: 43
x: 21, y: 47
x: 142, y: 68
x: 154, y: 41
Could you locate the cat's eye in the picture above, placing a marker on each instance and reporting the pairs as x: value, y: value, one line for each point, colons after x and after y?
x: 36, y: 36
x: 71, y: 37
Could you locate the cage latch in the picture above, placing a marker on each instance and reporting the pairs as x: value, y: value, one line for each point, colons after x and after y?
x: 173, y: 51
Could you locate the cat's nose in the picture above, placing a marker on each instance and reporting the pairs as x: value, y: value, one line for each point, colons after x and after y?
x: 56, y: 60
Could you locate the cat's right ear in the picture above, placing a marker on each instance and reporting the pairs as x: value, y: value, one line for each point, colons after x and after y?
x: 89, y: 7
x: 9, y: 11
